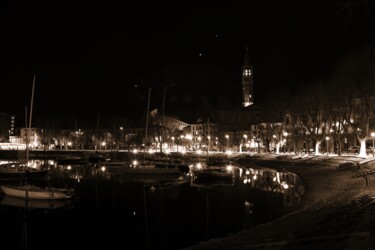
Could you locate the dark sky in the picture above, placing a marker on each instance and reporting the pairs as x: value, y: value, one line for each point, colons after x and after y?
x: 103, y: 57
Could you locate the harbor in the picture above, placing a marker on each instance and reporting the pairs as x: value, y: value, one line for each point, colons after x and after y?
x: 146, y: 211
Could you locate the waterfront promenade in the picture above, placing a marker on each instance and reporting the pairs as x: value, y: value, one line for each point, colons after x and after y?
x: 338, y: 211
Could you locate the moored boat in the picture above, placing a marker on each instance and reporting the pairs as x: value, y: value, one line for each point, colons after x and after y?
x: 217, y: 173
x: 78, y: 160
x: 17, y: 170
x: 35, y: 192
x: 33, y: 203
x: 147, y: 167
x: 152, y: 168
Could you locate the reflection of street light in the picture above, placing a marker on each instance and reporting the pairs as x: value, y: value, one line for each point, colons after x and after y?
x: 327, y: 139
x: 373, y: 151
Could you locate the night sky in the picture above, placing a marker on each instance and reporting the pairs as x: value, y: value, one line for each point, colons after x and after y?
x: 92, y: 58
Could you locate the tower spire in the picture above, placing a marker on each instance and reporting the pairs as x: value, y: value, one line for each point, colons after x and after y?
x: 247, y: 81
x: 247, y: 58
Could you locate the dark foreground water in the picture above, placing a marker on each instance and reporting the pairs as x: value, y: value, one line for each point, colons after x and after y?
x: 115, y: 211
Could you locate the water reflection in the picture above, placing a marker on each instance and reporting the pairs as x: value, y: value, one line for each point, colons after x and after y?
x: 271, y: 180
x: 18, y: 215
x: 151, y: 212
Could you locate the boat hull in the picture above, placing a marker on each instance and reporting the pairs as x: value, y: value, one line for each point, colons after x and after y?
x: 213, y: 176
x: 29, y: 192
x: 145, y: 170
x: 21, y: 173
x: 27, y: 203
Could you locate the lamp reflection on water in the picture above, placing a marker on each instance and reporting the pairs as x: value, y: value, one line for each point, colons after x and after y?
x: 285, y: 183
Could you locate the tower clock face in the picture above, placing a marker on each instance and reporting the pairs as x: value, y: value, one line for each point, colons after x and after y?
x: 247, y: 72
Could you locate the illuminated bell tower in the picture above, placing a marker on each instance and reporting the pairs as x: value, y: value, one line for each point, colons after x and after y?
x: 247, y: 81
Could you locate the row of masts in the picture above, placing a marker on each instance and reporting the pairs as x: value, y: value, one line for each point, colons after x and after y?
x: 163, y: 109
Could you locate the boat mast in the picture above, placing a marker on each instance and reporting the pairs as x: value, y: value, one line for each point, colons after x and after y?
x: 163, y: 125
x: 32, y: 101
x: 148, y: 110
x: 97, y: 133
x: 28, y: 128
x: 27, y: 135
x: 208, y: 137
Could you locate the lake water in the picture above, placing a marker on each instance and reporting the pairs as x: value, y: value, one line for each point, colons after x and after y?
x: 115, y: 211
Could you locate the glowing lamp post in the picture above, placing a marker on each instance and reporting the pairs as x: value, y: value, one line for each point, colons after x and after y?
x: 327, y: 139
x: 285, y: 134
x: 245, y: 141
x: 227, y: 137
x: 122, y: 136
x: 373, y: 150
x: 275, y: 144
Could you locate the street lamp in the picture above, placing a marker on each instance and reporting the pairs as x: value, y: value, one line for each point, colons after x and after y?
x: 182, y: 137
x: 373, y: 151
x: 285, y: 134
x: 227, y: 137
x: 285, y: 141
x: 122, y: 136
x: 244, y: 143
x: 327, y: 139
x: 274, y: 143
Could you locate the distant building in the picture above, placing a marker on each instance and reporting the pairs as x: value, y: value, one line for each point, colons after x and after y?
x: 34, y: 136
x: 202, y: 134
x: 5, y: 126
x: 169, y: 122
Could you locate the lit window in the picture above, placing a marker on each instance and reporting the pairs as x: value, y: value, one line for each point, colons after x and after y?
x: 247, y: 72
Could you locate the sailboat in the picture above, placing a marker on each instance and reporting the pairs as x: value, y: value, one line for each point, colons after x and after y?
x: 37, y: 193
x: 21, y: 170
x: 27, y: 191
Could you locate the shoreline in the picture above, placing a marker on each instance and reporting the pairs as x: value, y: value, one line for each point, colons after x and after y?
x: 330, y: 184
